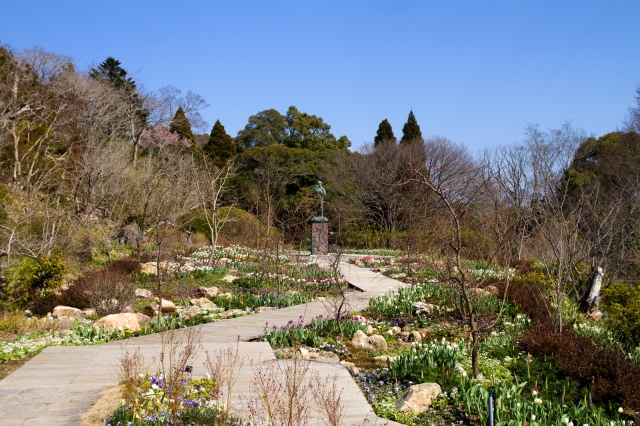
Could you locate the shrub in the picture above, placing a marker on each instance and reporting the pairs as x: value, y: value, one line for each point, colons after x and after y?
x: 621, y: 303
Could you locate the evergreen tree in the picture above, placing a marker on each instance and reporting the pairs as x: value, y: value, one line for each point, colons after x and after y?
x: 181, y: 126
x: 385, y: 133
x: 220, y: 146
x: 111, y: 71
x: 411, y: 130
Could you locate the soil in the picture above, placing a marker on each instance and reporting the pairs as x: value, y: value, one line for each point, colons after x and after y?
x: 9, y: 367
x: 103, y: 408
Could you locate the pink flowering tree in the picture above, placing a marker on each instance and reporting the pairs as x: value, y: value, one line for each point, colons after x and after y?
x: 160, y: 137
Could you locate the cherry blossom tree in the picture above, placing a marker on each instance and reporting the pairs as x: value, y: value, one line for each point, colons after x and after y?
x: 160, y: 137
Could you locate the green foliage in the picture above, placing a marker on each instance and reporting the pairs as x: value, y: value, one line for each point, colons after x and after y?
x: 266, y: 128
x: 181, y: 126
x: 38, y: 277
x: 429, y: 362
x: 220, y: 146
x: 111, y: 71
x: 411, y: 129
x: 621, y: 303
x: 384, y: 133
x: 311, y: 132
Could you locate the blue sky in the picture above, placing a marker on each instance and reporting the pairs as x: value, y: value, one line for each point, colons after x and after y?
x: 473, y: 71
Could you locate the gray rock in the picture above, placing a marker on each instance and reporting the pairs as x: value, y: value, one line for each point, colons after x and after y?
x: 190, y: 312
x: 351, y: 367
x: 143, y: 293
x: 424, y: 308
x: 417, y: 398
x: 415, y: 336
x: 264, y: 309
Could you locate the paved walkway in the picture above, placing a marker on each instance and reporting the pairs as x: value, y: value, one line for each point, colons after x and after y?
x: 61, y: 383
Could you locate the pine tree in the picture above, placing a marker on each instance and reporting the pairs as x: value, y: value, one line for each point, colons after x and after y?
x: 111, y: 71
x: 220, y: 146
x: 411, y: 130
x: 181, y: 126
x: 385, y: 133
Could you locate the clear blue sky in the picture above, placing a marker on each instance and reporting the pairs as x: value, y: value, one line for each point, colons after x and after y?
x: 474, y: 71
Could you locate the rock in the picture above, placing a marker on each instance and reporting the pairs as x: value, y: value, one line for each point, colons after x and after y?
x: 120, y: 321
x: 360, y: 340
x: 231, y: 312
x: 304, y: 352
x: 67, y: 311
x: 404, y: 336
x: 321, y: 298
x: 370, y: 329
x: 225, y: 260
x: 415, y: 336
x: 597, y: 315
x: 142, y: 318
x: 209, y: 291
x: 190, y: 312
x: 351, y: 367
x: 132, y: 235
x: 226, y: 296
x: 377, y: 342
x: 314, y: 355
x: 417, y: 398
x: 424, y: 308
x: 491, y: 289
x: 264, y: 309
x: 382, y: 359
x: 328, y: 355
x: 477, y: 292
x: 150, y: 268
x: 203, y: 302
x: 167, y: 307
x: 143, y: 293
x: 229, y: 278
x: 28, y: 313
x: 89, y: 313
x: 425, y: 331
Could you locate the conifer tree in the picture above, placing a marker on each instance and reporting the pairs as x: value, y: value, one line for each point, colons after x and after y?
x: 181, y: 126
x: 385, y: 133
x: 220, y: 146
x: 411, y: 130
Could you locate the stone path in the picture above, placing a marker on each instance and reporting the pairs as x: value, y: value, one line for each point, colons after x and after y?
x: 61, y: 383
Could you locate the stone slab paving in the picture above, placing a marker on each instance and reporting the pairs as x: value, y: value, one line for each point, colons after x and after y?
x: 61, y: 383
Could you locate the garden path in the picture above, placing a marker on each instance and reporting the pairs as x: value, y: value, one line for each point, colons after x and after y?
x: 61, y: 383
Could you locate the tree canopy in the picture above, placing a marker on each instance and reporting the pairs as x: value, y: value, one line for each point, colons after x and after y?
x: 220, y: 146
x: 266, y: 128
x: 111, y: 71
x: 411, y: 130
x: 181, y: 126
x: 385, y: 133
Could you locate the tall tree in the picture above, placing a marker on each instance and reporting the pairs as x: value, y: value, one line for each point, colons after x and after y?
x: 311, y: 132
x: 220, y: 146
x: 385, y: 133
x: 411, y: 130
x: 111, y: 71
x: 181, y: 126
x: 266, y: 128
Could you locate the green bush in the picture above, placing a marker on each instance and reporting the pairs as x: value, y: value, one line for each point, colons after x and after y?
x: 34, y: 278
x: 621, y: 303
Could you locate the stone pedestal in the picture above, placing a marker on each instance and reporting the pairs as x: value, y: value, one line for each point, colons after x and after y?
x: 319, y: 238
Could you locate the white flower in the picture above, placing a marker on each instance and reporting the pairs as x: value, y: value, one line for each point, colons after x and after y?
x: 535, y: 392
x: 537, y: 401
x: 533, y: 417
x: 620, y: 410
x: 565, y: 420
x: 464, y: 374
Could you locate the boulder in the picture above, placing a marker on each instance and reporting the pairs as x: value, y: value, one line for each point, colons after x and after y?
x: 143, y: 293
x: 120, y: 321
x: 229, y: 278
x: 209, y: 291
x: 264, y: 309
x: 304, y: 353
x: 67, y: 311
x: 167, y: 307
x: 404, y: 336
x: 417, y: 398
x: 327, y: 355
x: 395, y: 330
x: 424, y: 308
x: 360, y: 340
x: 203, y: 302
x: 382, y: 359
x: 231, y: 312
x: 89, y: 313
x: 226, y: 296
x: 142, y: 318
x: 370, y: 329
x: 351, y: 367
x: 376, y: 342
x: 190, y: 312
x: 415, y: 336
x: 132, y: 235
